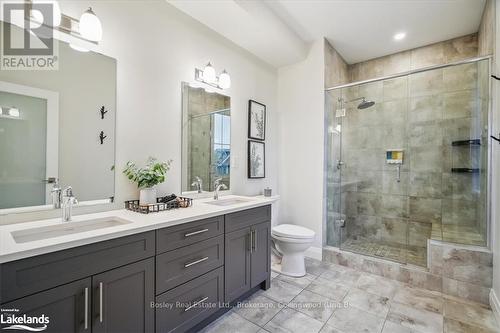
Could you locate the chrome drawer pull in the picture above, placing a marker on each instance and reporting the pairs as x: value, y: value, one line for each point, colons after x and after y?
x: 195, y: 262
x: 195, y: 304
x: 100, y: 303
x: 195, y: 232
x: 86, y: 308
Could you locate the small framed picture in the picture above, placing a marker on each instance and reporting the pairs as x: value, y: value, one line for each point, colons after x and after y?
x: 256, y: 120
x: 256, y: 159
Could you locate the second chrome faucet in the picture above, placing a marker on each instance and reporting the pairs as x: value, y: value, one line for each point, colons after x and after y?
x: 217, y: 187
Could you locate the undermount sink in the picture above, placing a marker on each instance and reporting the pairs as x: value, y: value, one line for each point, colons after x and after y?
x: 228, y: 202
x: 65, y: 228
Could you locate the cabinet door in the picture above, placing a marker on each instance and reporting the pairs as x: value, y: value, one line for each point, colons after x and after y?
x: 260, y: 254
x: 122, y: 299
x: 237, y: 264
x: 67, y: 307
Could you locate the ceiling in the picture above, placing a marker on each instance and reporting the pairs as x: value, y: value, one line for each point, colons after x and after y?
x: 279, y: 31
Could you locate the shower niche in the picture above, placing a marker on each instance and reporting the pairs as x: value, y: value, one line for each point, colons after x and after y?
x: 407, y: 162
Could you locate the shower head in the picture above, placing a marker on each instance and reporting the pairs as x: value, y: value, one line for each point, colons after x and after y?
x: 365, y: 104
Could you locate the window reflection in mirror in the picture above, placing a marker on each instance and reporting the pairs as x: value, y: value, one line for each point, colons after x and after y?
x: 206, y: 139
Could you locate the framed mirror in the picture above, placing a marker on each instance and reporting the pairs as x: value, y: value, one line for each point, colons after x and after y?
x: 206, y: 139
x: 57, y: 128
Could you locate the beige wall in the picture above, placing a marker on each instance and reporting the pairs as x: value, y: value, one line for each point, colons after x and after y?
x: 336, y: 69
x: 434, y: 54
x: 301, y: 105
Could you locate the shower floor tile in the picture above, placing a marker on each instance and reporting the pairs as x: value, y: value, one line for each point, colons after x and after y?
x: 396, y: 252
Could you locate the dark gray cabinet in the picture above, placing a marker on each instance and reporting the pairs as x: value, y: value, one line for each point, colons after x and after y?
x: 119, y: 285
x: 237, y: 264
x: 67, y: 307
x: 247, y: 251
x: 122, y: 299
x: 260, y: 259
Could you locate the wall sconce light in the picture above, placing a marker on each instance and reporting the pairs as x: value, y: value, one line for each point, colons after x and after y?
x: 208, y: 76
x: 9, y: 112
x: 88, y: 28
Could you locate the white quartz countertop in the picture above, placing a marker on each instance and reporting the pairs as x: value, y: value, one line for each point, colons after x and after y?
x: 10, y: 250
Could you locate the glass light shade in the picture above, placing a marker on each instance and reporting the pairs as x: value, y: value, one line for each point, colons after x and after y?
x: 224, y: 80
x: 90, y: 26
x: 56, y: 12
x: 209, y: 74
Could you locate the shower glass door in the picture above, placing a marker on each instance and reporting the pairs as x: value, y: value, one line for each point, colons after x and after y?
x: 374, y: 169
x: 411, y: 167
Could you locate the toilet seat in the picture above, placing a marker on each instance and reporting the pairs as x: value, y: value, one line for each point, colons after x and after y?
x: 292, y: 240
x: 292, y: 232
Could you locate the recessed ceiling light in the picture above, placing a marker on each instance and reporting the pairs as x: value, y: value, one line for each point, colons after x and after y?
x: 399, y: 36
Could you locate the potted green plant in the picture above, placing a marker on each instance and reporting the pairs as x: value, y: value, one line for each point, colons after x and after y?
x: 147, y: 178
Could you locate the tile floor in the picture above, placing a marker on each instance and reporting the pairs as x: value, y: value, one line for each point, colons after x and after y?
x: 337, y: 299
x: 415, y: 255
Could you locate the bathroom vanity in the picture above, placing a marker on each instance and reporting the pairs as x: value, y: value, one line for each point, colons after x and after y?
x: 172, y: 278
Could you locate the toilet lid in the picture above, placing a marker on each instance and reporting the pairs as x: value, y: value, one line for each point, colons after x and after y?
x: 292, y: 231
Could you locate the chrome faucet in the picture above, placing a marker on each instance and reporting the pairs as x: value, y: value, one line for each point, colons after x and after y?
x: 198, y: 183
x: 218, y: 186
x: 56, y: 194
x: 68, y: 200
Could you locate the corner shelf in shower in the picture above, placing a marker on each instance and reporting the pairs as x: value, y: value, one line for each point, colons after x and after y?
x: 473, y: 142
x: 464, y: 170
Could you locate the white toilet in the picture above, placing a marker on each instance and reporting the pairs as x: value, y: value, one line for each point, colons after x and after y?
x: 291, y: 241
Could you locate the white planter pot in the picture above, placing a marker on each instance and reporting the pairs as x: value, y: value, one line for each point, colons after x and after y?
x: 147, y: 196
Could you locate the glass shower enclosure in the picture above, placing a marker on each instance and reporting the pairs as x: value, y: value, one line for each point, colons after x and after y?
x: 407, y: 162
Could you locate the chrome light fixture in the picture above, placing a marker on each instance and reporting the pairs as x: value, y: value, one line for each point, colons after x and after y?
x: 87, y: 28
x: 90, y: 26
x: 208, y: 76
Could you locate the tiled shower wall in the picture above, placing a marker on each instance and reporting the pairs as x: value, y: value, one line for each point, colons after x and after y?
x: 421, y: 114
x: 435, y: 54
x: 439, y: 107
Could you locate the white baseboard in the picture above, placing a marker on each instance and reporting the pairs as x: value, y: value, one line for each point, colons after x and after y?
x: 314, y: 253
x: 495, y: 305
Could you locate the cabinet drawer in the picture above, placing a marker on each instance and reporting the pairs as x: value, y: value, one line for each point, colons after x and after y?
x: 187, y: 305
x: 28, y: 276
x: 176, y: 267
x: 175, y: 237
x: 246, y: 218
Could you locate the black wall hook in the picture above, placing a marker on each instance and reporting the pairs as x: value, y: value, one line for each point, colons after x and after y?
x: 102, y: 137
x: 495, y: 77
x: 103, y: 111
x: 495, y: 138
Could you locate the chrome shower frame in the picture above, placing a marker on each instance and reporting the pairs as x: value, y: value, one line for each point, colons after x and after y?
x: 490, y: 122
